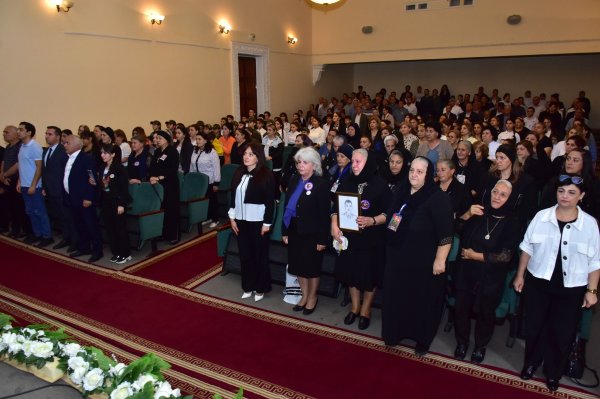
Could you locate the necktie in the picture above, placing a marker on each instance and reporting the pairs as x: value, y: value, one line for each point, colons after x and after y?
x: 49, y: 154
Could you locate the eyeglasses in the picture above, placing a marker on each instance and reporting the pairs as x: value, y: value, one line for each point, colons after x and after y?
x: 574, y: 179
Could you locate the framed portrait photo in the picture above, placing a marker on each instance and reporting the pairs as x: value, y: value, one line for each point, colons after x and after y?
x: 348, y: 210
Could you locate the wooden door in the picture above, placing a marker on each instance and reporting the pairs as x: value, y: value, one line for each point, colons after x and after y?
x: 247, y: 73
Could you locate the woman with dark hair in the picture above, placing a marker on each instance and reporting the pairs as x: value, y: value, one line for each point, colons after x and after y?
x: 458, y: 193
x: 316, y: 132
x: 289, y: 167
x: 242, y: 138
x: 410, y: 141
x: 353, y: 134
x: 531, y: 165
x: 226, y: 141
x: 139, y: 160
x: 489, y: 238
x: 121, y: 141
x: 205, y: 160
x: 558, y: 275
x: 482, y: 153
x: 570, y: 144
x: 184, y: 147
x: 338, y: 124
x: 115, y: 198
x: 251, y: 215
x: 326, y: 150
x: 360, y: 264
x: 468, y: 171
x: 91, y: 146
x: 273, y: 150
x: 419, y: 235
x: 374, y: 134
x: 305, y: 225
x: 163, y: 171
x: 396, y: 170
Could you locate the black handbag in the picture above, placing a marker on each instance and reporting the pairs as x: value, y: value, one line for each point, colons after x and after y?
x: 576, y: 363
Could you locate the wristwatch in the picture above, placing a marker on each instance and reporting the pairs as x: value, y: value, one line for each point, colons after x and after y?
x: 592, y: 290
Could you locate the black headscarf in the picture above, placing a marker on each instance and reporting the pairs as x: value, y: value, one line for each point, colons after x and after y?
x: 412, y: 202
x: 354, y: 141
x: 387, y: 175
x: 505, y: 210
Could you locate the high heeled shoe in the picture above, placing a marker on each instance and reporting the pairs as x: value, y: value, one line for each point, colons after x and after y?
x: 308, y: 311
x: 298, y: 308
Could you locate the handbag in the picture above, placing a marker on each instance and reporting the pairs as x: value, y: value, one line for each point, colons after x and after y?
x: 576, y: 364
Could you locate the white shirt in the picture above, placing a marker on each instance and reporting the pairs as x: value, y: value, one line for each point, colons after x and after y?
x: 242, y: 211
x: 317, y: 135
x: 493, y: 146
x: 125, y: 151
x: 68, y: 167
x: 580, y: 247
x: 411, y: 108
x: 506, y: 135
x: 530, y: 122
x: 208, y: 164
x: 558, y: 150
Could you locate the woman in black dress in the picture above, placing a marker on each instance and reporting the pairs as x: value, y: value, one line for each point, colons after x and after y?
x: 251, y: 215
x: 306, y: 225
x: 242, y: 138
x: 489, y: 240
x: 361, y: 265
x: 139, y: 160
x: 163, y: 171
x: 459, y: 196
x: 115, y: 197
x: 419, y: 236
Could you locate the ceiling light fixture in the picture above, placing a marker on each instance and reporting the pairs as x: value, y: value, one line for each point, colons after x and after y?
x: 156, y: 18
x: 63, y: 5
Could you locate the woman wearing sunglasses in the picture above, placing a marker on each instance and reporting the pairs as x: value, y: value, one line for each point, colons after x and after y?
x: 558, y: 275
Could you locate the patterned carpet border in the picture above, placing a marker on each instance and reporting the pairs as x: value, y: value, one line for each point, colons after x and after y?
x: 188, y: 384
x: 160, y: 256
x: 202, y: 277
x: 183, y: 360
x: 365, y: 341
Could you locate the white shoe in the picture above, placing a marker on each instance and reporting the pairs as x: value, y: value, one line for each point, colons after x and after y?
x: 123, y: 259
x: 213, y: 225
x: 206, y: 222
x: 258, y: 297
x: 246, y: 295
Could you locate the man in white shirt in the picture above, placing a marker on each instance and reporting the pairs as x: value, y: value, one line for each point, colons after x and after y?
x: 530, y: 120
x: 410, y: 106
x: 488, y: 138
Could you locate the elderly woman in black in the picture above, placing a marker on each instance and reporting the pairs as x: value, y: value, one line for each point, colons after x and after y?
x: 115, y: 197
x: 459, y: 196
x: 558, y: 274
x: 468, y: 170
x: 306, y: 225
x: 251, y: 215
x: 419, y: 236
x: 395, y: 170
x: 489, y: 240
x: 360, y: 266
x: 139, y: 160
x: 163, y: 171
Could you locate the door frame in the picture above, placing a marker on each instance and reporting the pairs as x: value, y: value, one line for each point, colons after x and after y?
x: 263, y: 81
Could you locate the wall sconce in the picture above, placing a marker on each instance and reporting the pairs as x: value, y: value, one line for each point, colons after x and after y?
x: 62, y: 5
x: 156, y: 19
x: 223, y: 29
x: 292, y: 40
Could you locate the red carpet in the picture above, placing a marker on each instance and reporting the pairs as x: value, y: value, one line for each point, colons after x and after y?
x: 182, y: 264
x: 258, y: 350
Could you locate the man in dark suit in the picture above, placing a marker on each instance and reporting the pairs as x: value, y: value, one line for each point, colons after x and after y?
x: 54, y: 160
x: 361, y: 119
x: 81, y: 196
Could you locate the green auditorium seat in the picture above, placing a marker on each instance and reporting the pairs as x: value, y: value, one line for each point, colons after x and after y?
x: 144, y: 216
x: 223, y: 195
x: 193, y: 201
x: 278, y: 219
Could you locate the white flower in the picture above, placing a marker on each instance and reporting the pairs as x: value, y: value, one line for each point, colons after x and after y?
x: 27, y: 347
x: 117, y: 369
x: 122, y: 391
x: 163, y: 389
x: 28, y: 331
x: 176, y: 393
x: 14, y: 348
x: 7, y: 339
x: 21, y: 338
x: 7, y: 327
x: 143, y: 380
x: 80, y: 368
x: 42, y: 349
x: 40, y: 333
x: 93, y: 379
x: 71, y: 350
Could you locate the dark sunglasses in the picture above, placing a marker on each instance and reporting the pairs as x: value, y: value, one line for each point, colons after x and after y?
x: 574, y: 179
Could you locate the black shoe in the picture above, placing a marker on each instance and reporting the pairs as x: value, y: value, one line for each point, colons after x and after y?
x: 528, y: 372
x: 94, y: 258
x: 78, y: 253
x: 308, y: 311
x: 461, y: 351
x: 552, y: 384
x: 478, y: 355
x: 363, y: 323
x: 173, y: 242
x: 421, y: 350
x: 350, y: 318
x: 44, y: 242
x: 31, y: 239
x: 114, y: 258
x: 14, y: 234
x: 72, y: 248
x: 298, y: 308
x: 61, y: 245
x: 124, y: 259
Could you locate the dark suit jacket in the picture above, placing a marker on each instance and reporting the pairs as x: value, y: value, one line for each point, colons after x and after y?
x: 53, y: 171
x: 312, y: 210
x: 364, y: 123
x: 118, y: 185
x: 79, y: 187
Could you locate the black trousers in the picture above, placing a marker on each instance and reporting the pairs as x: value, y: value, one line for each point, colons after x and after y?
x: 213, y: 203
x: 552, y: 317
x: 88, y: 229
x: 19, y: 222
x: 116, y: 228
x: 478, y: 288
x: 171, y: 206
x: 254, y: 257
x: 62, y: 217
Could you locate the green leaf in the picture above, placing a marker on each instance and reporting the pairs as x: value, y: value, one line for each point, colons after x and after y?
x: 38, y: 326
x: 104, y: 362
x: 240, y: 394
x: 5, y: 320
x: 147, y: 364
x: 57, y: 335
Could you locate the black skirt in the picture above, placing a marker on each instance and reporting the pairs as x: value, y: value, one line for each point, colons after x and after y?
x: 361, y: 268
x: 303, y: 258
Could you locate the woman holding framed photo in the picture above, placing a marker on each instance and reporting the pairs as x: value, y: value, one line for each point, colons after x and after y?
x: 365, y: 194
